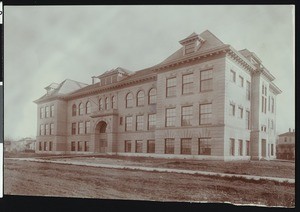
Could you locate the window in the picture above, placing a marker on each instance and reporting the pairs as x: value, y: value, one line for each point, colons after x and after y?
x: 73, y: 128
x: 80, y: 127
x: 128, y: 123
x: 187, y: 83
x: 272, y: 105
x: 206, y: 82
x: 42, y: 112
x: 205, y: 114
x: 127, y: 146
x: 272, y: 125
x: 86, y: 146
x: 186, y: 115
x: 241, y: 81
x: 50, y: 146
x: 272, y: 149
x: 151, y: 146
x: 232, y: 76
x: 140, y: 98
x: 169, y: 146
x: 47, y: 129
x: 152, y: 96
x: 42, y: 131
x: 74, y: 110
x: 186, y: 146
x: 88, y: 108
x: 171, y: 87
x: 45, y: 146
x: 52, y: 129
x: 121, y: 120
x: 285, y: 139
x: 241, y: 112
x: 51, y: 110
x: 248, y: 120
x: 87, y: 127
x: 47, y: 112
x: 139, y: 146
x: 264, y: 99
x: 248, y: 90
x: 240, y: 147
x: 232, y: 109
x: 204, y: 146
x: 106, y: 103
x: 170, y: 117
x: 129, y: 100
x: 248, y: 148
x: 232, y: 147
x: 80, y: 109
x: 101, y: 107
x: 139, y: 122
x: 40, y: 146
x: 269, y: 103
x: 73, y: 147
x: 151, y: 121
x: 113, y: 102
x: 80, y: 147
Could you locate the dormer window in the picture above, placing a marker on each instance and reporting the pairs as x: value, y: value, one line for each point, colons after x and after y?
x: 191, y: 43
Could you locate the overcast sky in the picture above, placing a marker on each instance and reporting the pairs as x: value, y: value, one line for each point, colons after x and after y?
x: 44, y: 44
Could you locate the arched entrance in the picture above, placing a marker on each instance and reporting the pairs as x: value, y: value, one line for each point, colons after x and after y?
x: 101, y: 136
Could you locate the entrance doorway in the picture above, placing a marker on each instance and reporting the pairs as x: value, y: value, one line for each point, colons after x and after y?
x: 263, y: 147
x: 101, y: 136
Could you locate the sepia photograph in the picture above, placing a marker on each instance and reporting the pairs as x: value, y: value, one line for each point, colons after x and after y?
x: 189, y: 103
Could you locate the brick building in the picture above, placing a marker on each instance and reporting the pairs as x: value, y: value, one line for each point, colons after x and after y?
x: 286, y: 145
x: 205, y: 101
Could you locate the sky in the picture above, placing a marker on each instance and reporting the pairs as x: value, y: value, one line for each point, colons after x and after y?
x: 45, y: 44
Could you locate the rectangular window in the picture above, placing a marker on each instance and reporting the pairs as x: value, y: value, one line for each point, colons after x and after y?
x: 86, y: 146
x: 232, y: 76
x: 248, y: 90
x: 232, y: 147
x: 169, y: 145
x: 127, y: 146
x: 187, y: 84
x: 87, y: 127
x: 170, y: 117
x: 273, y: 105
x: 171, y: 87
x: 139, y: 122
x: 204, y: 145
x: 47, y: 129
x: 73, y: 128
x: 42, y: 129
x: 42, y: 113
x: 139, y: 146
x: 186, y: 115
x: 73, y: 146
x: 121, y: 120
x: 232, y: 109
x: 272, y: 149
x: 248, y: 148
x: 186, y: 144
x: 269, y: 104
x: 205, y: 113
x: 40, y: 146
x: 45, y: 146
x: 52, y: 129
x: 240, y: 147
x: 128, y: 123
x: 206, y: 80
x: 51, y: 110
x: 151, y: 121
x: 241, y: 81
x: 247, y: 120
x: 80, y: 147
x: 47, y: 113
x: 50, y: 146
x: 151, y: 146
x: 241, y: 112
x: 80, y: 128
x: 272, y: 124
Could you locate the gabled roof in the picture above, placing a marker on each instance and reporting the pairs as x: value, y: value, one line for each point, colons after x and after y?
x: 287, y: 134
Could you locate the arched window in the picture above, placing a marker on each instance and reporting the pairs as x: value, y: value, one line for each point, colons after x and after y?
x: 113, y: 102
x: 80, y: 109
x: 88, y: 108
x: 140, y: 98
x: 101, y: 104
x: 106, y: 103
x: 129, y: 100
x: 74, y: 108
x: 152, y: 96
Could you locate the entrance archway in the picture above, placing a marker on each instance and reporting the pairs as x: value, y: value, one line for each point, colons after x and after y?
x: 101, y: 136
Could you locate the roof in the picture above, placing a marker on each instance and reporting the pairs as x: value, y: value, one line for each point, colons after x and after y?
x: 287, y: 134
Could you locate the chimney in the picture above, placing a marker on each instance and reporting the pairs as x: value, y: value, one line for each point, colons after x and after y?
x: 289, y: 129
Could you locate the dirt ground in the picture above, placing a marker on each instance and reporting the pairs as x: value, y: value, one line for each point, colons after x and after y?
x: 42, y: 179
